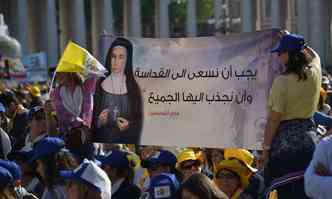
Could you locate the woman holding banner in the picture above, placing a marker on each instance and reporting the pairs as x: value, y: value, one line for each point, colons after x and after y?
x: 118, y: 103
x: 76, y: 76
x: 293, y: 100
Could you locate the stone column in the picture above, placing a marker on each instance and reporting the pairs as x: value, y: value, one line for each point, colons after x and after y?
x: 161, y: 18
x: 102, y: 21
x: 72, y: 22
x: 275, y: 14
x: 136, y: 19
x: 290, y: 22
x: 247, y: 16
x: 302, y: 23
x: 191, y: 18
x: 259, y: 14
x: 49, y: 31
x: 132, y: 22
x: 317, y: 32
x: 19, y: 22
x: 218, y: 13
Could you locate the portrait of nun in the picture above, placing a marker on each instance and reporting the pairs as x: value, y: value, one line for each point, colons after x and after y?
x: 118, y: 115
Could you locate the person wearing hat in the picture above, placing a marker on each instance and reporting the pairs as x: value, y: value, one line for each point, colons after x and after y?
x: 188, y: 163
x: 15, y: 171
x: 18, y: 118
x: 163, y: 186
x: 6, y: 182
x: 161, y: 162
x: 292, y: 102
x: 5, y: 142
x: 119, y: 166
x: 88, y: 181
x: 318, y: 176
x: 256, y: 185
x: 3, y: 118
x: 232, y: 177
x: 35, y: 97
x: 38, y: 126
x: 73, y: 99
x: 29, y: 178
x: 50, y: 156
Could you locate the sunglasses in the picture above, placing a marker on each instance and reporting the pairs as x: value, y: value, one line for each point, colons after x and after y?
x: 226, y: 175
x: 189, y: 165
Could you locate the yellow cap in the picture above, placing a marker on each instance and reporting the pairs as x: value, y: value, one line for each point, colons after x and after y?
x: 236, y: 167
x: 35, y: 91
x: 187, y: 154
x: 323, y: 93
x: 241, y: 154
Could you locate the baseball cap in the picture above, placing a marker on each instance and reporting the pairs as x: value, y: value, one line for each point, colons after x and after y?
x: 13, y: 168
x: 5, y: 177
x: 161, y: 157
x: 46, y: 146
x: 2, y: 108
x: 290, y: 42
x: 116, y: 159
x: 37, y: 112
x: 90, y: 174
x: 5, y: 143
x: 163, y: 186
x: 35, y: 91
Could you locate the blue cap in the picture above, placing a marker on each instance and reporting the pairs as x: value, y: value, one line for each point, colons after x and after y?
x: 116, y: 159
x: 290, y: 42
x: 46, y: 146
x: 23, y: 154
x: 34, y: 110
x: 161, y: 157
x: 163, y: 186
x: 13, y: 168
x: 2, y: 108
x: 91, y: 175
x: 5, y: 177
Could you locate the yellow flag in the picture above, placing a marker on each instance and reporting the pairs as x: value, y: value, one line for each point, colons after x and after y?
x: 73, y: 59
x: 77, y: 59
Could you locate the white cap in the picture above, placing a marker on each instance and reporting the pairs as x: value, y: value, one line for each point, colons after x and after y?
x: 92, y: 175
x: 5, y: 143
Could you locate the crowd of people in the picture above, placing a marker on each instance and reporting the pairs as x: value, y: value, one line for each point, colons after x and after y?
x: 51, y: 155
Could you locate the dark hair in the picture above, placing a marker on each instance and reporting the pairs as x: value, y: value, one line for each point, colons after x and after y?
x: 62, y: 160
x: 134, y: 93
x: 297, y: 64
x: 76, y: 77
x: 201, y: 186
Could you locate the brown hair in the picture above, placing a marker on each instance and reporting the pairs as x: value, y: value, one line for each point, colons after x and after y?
x: 86, y: 192
x: 201, y: 186
x: 63, y: 160
x: 297, y: 64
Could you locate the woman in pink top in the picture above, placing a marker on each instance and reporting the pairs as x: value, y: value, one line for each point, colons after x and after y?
x: 73, y: 100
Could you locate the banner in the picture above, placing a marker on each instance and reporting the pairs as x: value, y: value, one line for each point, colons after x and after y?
x: 206, y: 92
x: 36, y: 67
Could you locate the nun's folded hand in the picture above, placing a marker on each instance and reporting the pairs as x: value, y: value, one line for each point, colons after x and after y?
x: 103, y: 117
